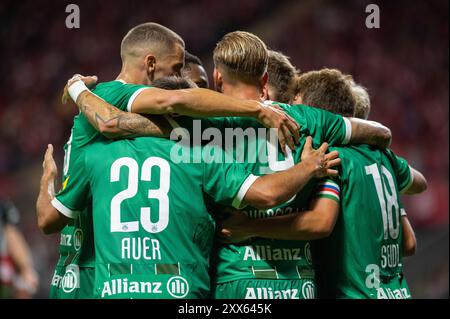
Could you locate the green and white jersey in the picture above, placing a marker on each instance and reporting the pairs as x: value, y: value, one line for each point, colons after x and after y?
x: 279, y: 259
x: 76, y: 245
x: 251, y: 144
x: 153, y: 233
x: 363, y: 256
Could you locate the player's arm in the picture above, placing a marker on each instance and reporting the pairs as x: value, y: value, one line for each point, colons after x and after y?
x: 316, y: 223
x: 409, y: 180
x: 274, y: 189
x: 418, y: 185
x: 409, y: 238
x: 232, y: 184
x: 200, y: 102
x: 339, y: 130
x: 190, y: 102
x: 49, y: 219
x: 369, y: 132
x: 112, y: 122
x: 19, y: 251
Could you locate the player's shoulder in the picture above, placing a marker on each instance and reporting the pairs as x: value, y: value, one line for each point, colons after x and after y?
x: 93, y: 151
x: 107, y: 85
x: 395, y: 160
x: 303, y: 110
x: 365, y: 154
x: 284, y: 106
x: 296, y: 111
x: 357, y: 152
x: 116, y: 85
x: 389, y: 153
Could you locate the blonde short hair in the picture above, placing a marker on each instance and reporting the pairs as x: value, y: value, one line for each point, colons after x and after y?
x: 242, y: 55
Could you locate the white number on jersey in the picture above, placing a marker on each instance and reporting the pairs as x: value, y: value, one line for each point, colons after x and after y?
x: 272, y: 157
x: 161, y: 194
x: 389, y: 206
x: 67, y: 154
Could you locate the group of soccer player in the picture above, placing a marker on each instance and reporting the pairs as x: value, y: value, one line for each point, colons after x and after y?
x: 173, y: 190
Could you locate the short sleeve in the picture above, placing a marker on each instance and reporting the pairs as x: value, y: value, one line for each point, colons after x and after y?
x: 403, y: 172
x: 332, y: 128
x: 131, y: 92
x: 337, y: 130
x: 328, y: 188
x: 120, y: 94
x: 75, y: 193
x: 227, y: 183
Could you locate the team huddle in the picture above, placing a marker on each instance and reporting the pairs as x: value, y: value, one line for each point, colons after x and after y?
x: 272, y: 186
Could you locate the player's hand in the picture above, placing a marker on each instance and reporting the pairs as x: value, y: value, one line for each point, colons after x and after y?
x: 49, y: 164
x: 232, y: 229
x: 288, y: 130
x: 321, y: 163
x: 90, y: 82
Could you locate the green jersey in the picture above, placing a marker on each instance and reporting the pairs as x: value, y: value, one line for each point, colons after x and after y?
x: 153, y: 234
x: 278, y: 259
x: 248, y: 142
x: 76, y: 244
x: 363, y: 256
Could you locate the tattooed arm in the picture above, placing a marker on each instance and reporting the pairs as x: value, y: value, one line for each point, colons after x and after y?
x: 191, y: 102
x: 109, y: 120
x: 115, y: 123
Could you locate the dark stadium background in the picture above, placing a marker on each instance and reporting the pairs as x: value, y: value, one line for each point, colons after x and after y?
x: 404, y: 64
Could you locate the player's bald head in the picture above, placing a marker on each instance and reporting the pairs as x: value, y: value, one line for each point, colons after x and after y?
x: 149, y: 38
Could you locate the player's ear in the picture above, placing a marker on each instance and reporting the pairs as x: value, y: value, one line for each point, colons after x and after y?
x: 150, y: 65
x: 297, y: 99
x: 218, y: 80
x: 265, y: 79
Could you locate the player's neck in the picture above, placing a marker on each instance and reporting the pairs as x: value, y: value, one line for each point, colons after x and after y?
x: 133, y: 76
x: 243, y: 91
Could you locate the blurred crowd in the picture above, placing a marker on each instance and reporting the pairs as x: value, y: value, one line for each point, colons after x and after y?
x: 404, y: 65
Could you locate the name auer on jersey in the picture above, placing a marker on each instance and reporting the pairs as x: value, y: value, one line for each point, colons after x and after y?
x: 138, y: 248
x: 388, y: 293
x: 122, y: 286
x: 269, y: 293
x: 260, y: 252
